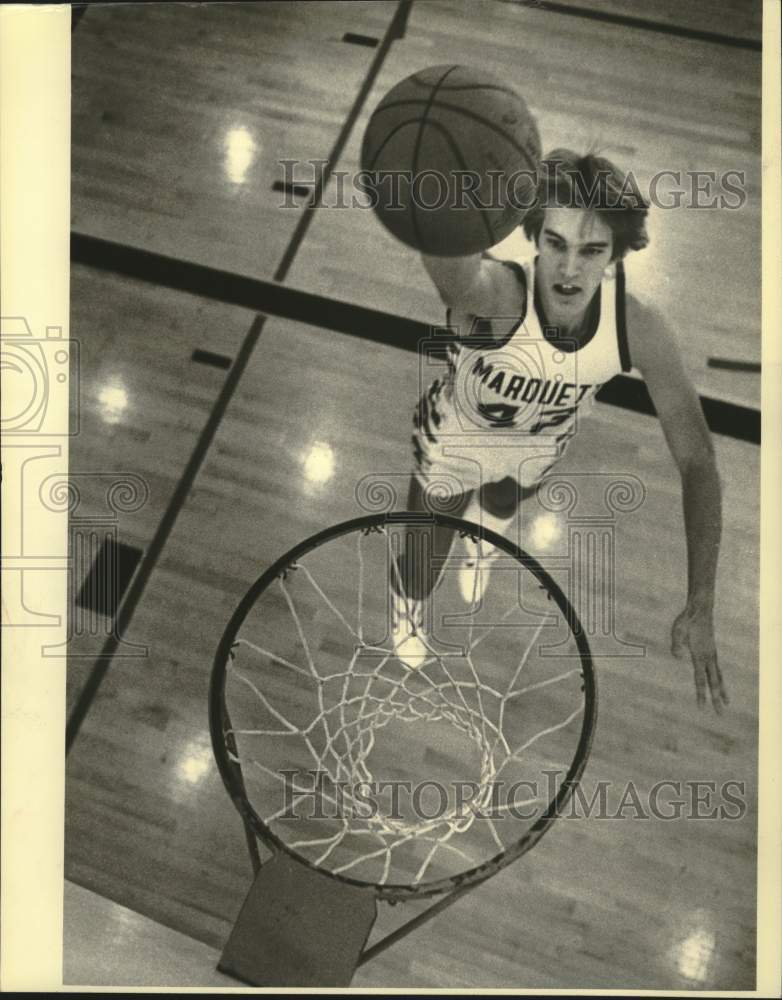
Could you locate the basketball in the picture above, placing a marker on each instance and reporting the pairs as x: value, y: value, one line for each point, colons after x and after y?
x: 450, y: 156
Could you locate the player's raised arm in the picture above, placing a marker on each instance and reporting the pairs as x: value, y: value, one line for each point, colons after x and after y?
x: 475, y: 285
x: 656, y: 354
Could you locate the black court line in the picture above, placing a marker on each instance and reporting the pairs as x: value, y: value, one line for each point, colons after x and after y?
x: 152, y: 554
x: 299, y: 190
x: 396, y: 26
x: 182, y: 276
x: 353, y: 39
x: 728, y: 419
x: 108, y: 577
x: 249, y: 293
x: 403, y: 16
x: 629, y: 21
x: 628, y: 392
x: 729, y: 365
x: 210, y: 358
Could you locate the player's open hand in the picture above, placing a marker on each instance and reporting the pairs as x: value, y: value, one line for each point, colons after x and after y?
x: 693, y: 631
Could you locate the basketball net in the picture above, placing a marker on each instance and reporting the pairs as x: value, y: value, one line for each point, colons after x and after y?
x: 322, y: 717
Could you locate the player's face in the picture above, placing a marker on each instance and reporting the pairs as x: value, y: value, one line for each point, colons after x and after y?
x: 575, y: 246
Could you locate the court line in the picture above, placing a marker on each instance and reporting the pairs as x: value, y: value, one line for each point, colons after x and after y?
x: 394, y: 30
x: 202, y: 357
x: 732, y: 365
x: 353, y: 39
x: 628, y: 21
x: 625, y: 391
x: 155, y: 548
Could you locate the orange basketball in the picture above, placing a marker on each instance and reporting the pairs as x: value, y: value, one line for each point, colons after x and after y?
x: 450, y: 156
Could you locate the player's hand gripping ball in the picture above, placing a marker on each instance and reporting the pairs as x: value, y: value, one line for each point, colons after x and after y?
x: 451, y: 155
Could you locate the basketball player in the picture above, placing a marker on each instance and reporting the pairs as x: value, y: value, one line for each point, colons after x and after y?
x: 535, y: 341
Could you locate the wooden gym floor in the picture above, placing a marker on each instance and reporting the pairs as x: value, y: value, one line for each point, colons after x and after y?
x: 180, y: 116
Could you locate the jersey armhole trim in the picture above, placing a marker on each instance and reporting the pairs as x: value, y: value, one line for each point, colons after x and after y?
x: 521, y: 277
x: 492, y: 341
x: 621, y: 319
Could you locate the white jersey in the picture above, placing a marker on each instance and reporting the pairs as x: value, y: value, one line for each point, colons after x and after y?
x: 525, y: 388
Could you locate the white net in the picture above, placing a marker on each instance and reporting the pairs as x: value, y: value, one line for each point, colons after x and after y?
x: 387, y: 773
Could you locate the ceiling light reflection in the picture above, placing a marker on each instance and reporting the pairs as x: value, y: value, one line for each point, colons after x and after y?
x: 545, y: 530
x: 195, y: 763
x: 695, y: 955
x: 113, y: 399
x: 240, y: 152
x: 319, y: 463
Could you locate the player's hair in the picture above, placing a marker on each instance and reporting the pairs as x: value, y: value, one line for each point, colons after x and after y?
x: 567, y: 179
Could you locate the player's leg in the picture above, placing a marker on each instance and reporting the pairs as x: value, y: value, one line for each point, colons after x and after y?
x: 437, y: 466
x: 426, y: 550
x: 415, y: 575
x: 495, y: 507
x: 502, y: 500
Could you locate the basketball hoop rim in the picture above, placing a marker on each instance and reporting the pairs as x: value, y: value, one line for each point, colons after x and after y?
x: 231, y: 772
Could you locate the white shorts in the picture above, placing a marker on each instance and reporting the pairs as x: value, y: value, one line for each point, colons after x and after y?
x: 450, y: 459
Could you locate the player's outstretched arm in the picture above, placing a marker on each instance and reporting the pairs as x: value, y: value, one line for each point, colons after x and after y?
x: 475, y: 285
x: 656, y: 354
